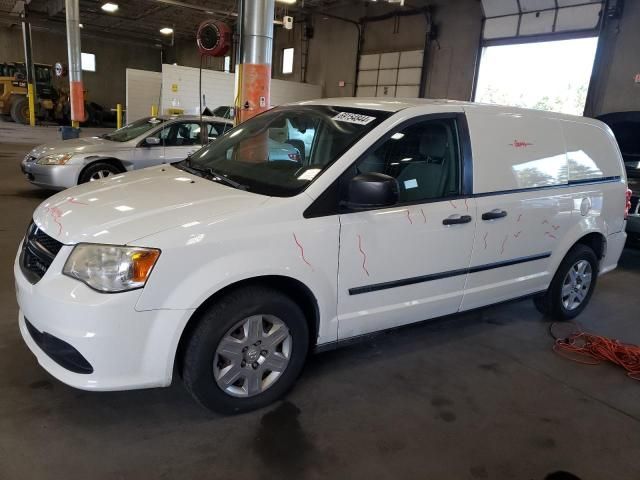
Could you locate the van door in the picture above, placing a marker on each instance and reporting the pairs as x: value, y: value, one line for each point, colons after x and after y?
x: 408, y: 263
x: 520, y: 169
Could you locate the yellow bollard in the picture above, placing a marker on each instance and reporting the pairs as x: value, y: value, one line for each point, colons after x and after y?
x: 32, y: 106
x: 154, y: 110
x: 119, y: 115
x: 75, y: 124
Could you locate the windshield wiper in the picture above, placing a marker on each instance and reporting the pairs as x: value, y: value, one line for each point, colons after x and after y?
x: 211, y: 173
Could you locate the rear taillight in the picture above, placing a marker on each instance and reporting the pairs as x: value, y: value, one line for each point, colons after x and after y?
x: 627, y: 206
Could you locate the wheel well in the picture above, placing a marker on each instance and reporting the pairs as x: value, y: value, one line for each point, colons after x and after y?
x: 111, y: 161
x: 596, y: 242
x: 294, y: 289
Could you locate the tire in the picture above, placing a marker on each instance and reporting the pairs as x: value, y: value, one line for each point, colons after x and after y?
x: 560, y: 307
x: 20, y: 110
x: 97, y: 171
x: 208, y: 374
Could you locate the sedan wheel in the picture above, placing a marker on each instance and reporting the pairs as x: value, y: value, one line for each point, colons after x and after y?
x: 576, y: 285
x: 99, y: 175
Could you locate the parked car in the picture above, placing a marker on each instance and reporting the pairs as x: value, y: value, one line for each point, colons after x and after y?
x: 225, y: 111
x: 230, y: 268
x: 626, y: 128
x: 143, y: 143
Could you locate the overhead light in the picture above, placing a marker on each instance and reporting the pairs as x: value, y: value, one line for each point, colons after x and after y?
x: 109, y: 7
x: 290, y: 2
x: 81, y: 25
x: 166, y: 30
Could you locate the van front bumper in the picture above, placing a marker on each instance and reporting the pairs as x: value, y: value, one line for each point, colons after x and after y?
x: 95, y: 341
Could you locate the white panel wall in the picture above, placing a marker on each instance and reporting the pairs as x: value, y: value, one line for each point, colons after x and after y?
x: 218, y: 89
x: 142, y: 91
x: 392, y: 74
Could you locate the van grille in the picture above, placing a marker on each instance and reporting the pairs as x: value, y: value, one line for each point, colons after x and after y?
x: 38, y: 252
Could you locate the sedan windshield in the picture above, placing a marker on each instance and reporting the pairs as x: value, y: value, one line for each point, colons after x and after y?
x: 133, y: 130
x: 280, y: 152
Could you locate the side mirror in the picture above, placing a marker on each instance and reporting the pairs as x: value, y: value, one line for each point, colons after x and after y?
x: 150, y: 141
x: 371, y: 190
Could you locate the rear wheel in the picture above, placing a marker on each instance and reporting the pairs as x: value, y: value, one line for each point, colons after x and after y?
x: 246, y: 351
x: 20, y: 110
x: 97, y: 171
x: 572, y: 285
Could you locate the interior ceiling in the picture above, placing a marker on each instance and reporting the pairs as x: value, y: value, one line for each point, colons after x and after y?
x: 141, y: 19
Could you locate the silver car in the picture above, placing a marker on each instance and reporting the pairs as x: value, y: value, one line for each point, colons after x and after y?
x: 143, y: 143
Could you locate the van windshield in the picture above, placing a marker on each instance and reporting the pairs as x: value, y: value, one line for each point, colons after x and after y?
x: 280, y: 152
x: 133, y: 130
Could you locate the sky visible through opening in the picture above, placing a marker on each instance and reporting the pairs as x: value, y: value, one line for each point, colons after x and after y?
x: 545, y: 75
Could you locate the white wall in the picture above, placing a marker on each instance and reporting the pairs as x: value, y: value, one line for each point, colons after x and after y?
x: 142, y: 91
x: 218, y: 89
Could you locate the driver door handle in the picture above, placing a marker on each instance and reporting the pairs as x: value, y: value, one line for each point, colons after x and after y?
x: 494, y: 214
x: 456, y: 219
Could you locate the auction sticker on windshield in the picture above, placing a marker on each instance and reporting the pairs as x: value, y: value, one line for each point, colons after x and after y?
x: 354, y: 118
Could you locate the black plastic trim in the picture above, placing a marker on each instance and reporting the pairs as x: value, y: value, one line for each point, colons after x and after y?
x: 439, y: 276
x: 59, y: 351
x: 571, y: 183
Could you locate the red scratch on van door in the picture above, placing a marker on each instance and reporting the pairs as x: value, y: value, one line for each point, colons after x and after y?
x: 503, y: 243
x: 424, y: 217
x: 452, y: 204
x: 555, y: 227
x: 409, y: 216
x: 74, y: 201
x: 550, y: 235
x: 516, y: 235
x: 304, y: 259
x: 364, y: 256
x: 545, y: 221
x: 466, y: 204
x: 519, y: 217
x: 485, y: 239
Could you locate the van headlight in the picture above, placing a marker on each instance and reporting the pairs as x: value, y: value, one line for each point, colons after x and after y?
x: 111, y: 268
x: 55, y: 159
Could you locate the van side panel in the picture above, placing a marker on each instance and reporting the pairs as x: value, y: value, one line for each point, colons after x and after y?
x: 515, y: 151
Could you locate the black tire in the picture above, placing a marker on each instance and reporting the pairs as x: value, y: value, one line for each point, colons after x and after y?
x: 20, y: 110
x: 551, y: 303
x: 94, y: 169
x: 213, y: 326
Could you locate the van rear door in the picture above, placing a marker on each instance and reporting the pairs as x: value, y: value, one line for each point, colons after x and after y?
x: 520, y: 165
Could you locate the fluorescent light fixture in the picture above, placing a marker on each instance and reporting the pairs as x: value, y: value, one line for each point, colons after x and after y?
x: 166, y: 30
x: 290, y: 2
x: 81, y: 25
x: 109, y: 7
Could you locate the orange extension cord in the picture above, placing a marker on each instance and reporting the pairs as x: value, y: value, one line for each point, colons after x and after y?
x: 592, y: 349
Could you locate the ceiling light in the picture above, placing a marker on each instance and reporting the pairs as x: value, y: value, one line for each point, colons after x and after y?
x: 166, y: 30
x: 290, y: 2
x: 109, y: 7
x: 81, y: 25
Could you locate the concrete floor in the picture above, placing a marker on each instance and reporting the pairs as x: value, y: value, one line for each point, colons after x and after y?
x: 473, y: 396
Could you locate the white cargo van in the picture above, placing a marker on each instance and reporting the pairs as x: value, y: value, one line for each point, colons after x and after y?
x: 232, y: 268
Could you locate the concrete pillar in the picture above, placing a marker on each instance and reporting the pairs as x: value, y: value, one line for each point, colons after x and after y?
x: 28, y: 64
x: 253, y: 72
x: 76, y: 89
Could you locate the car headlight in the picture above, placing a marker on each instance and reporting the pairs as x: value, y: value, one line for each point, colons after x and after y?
x: 111, y: 268
x: 55, y: 159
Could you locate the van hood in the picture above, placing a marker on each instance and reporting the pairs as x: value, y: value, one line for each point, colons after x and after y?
x: 124, y: 208
x: 77, y: 145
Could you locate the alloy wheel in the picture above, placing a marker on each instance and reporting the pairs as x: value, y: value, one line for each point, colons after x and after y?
x: 577, y: 282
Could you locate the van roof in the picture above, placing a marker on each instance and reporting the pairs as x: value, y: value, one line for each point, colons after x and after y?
x: 397, y: 104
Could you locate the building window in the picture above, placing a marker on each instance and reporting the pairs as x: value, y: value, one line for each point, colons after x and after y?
x: 227, y: 63
x: 287, y: 60
x: 88, y: 61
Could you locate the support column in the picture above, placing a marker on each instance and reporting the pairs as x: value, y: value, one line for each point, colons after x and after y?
x: 76, y: 89
x: 28, y: 63
x: 253, y: 71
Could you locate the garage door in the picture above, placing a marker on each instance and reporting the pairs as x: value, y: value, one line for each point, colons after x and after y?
x: 391, y: 74
x: 519, y: 19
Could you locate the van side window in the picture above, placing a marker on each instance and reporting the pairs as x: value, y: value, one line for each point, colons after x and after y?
x: 423, y: 157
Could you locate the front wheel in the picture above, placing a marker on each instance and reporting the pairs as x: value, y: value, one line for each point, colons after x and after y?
x: 246, y: 351
x: 572, y: 285
x: 97, y: 171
